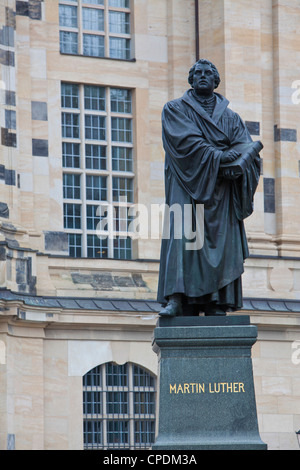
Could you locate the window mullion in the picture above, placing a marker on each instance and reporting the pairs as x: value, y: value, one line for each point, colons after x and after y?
x: 104, y: 404
x: 131, y: 405
x: 79, y: 24
x: 83, y: 172
x: 109, y: 177
x: 106, y: 29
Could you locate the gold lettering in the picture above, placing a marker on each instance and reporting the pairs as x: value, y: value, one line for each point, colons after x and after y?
x: 213, y: 387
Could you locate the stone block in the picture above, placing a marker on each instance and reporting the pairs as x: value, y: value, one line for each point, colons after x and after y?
x: 39, y: 111
x: 287, y: 135
x: 40, y: 147
x: 56, y: 242
x: 269, y: 195
x: 253, y: 127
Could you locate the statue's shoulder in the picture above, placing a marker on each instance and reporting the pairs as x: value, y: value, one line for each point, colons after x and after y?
x: 176, y: 103
x: 231, y: 114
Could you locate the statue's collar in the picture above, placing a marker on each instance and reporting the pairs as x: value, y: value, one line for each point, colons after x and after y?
x: 220, y: 106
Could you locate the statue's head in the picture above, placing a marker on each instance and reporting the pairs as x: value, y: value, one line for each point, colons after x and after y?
x: 205, y: 64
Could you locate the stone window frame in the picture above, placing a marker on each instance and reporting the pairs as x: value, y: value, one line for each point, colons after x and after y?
x: 106, y: 185
x: 109, y: 38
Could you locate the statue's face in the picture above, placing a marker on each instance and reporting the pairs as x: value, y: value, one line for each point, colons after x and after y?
x: 203, y: 81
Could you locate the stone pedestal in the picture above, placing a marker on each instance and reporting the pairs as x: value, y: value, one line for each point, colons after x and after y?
x: 206, y: 397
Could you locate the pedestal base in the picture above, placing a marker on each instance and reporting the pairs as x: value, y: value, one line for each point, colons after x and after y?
x: 206, y: 391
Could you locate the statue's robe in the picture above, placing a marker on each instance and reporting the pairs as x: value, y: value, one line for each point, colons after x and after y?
x: 194, y: 143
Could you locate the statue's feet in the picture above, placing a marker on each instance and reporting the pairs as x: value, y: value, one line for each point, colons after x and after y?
x: 215, y: 310
x: 172, y: 309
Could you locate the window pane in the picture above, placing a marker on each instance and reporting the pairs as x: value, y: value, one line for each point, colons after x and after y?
x: 121, y: 218
x: 116, y: 375
x: 119, y: 48
x: 93, y: 19
x: 94, y: 214
x: 142, y: 378
x: 71, y: 155
x: 96, y: 188
x: 144, y: 402
x: 122, y: 248
x: 93, y: 378
x: 117, y: 432
x: 96, y: 247
x: 122, y: 188
x: 120, y: 100
x: 94, y: 127
x: 117, y: 402
x: 122, y: 159
x: 72, y: 216
x: 94, y: 98
x: 68, y: 42
x: 10, y: 119
x: 70, y: 125
x: 92, y: 431
x: 69, y: 95
x: 95, y: 157
x: 75, y: 245
x: 121, y: 129
x: 119, y: 22
x: 93, y: 45
x: 119, y: 3
x: 92, y: 402
x: 68, y: 16
x: 71, y: 186
x: 144, y: 432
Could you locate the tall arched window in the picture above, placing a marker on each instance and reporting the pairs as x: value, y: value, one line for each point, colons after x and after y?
x: 118, y: 407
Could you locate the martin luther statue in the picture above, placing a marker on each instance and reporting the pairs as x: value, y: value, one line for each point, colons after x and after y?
x: 204, y: 142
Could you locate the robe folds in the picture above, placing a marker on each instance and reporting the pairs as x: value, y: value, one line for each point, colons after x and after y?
x: 194, y: 143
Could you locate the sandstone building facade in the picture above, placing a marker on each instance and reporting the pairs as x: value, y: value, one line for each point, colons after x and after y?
x: 82, y: 85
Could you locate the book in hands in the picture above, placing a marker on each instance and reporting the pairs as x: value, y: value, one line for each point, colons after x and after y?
x: 248, y: 152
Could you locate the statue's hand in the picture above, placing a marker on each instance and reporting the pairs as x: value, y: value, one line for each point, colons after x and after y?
x: 229, y: 156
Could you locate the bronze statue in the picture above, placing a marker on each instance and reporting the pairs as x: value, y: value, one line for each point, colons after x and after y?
x: 211, y: 162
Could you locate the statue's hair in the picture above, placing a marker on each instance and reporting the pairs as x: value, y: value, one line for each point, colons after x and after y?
x: 214, y: 69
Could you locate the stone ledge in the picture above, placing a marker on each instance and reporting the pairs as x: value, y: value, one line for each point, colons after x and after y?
x: 86, y: 303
